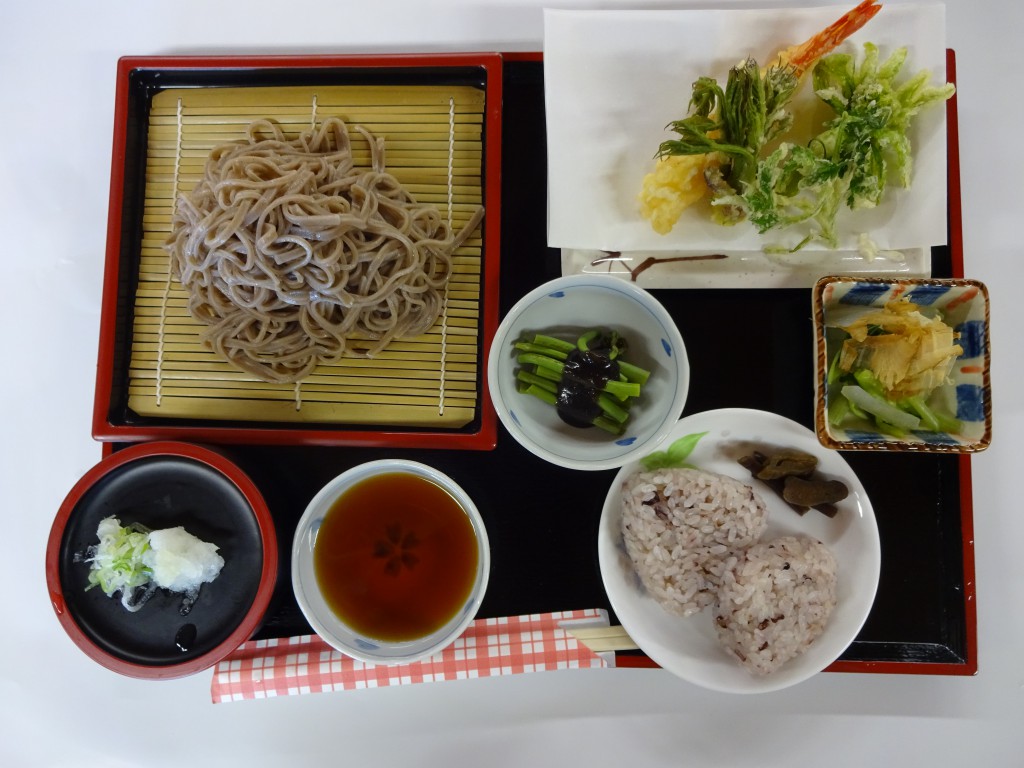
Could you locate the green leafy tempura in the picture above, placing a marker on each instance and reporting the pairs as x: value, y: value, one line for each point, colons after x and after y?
x: 851, y: 161
x: 736, y: 122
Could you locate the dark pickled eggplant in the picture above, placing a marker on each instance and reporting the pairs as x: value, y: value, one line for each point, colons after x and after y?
x: 588, y: 381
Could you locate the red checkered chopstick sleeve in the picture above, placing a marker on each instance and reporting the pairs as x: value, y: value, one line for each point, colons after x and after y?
x: 259, y: 669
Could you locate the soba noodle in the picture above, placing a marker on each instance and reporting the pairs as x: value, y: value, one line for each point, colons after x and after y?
x: 292, y: 256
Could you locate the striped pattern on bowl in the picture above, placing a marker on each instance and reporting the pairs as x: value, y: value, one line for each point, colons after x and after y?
x: 964, y: 305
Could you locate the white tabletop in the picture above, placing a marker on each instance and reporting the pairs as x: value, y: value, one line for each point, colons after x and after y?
x: 57, y: 67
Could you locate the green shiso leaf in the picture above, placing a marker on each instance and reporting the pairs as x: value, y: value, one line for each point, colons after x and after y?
x: 674, y: 456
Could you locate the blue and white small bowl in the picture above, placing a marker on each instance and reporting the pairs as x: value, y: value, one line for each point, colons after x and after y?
x: 964, y: 306
x: 327, y: 624
x: 565, y: 307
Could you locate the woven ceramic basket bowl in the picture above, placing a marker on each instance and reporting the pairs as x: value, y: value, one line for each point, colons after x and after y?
x: 964, y: 306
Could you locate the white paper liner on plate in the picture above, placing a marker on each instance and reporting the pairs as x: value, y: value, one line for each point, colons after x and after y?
x: 615, y: 79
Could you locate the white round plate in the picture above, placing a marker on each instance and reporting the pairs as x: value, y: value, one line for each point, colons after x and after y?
x: 687, y: 647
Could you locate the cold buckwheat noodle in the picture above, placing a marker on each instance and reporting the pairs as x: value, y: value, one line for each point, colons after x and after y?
x: 292, y: 256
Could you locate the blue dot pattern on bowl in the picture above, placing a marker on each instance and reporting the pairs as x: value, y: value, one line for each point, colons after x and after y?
x: 667, y: 347
x: 514, y: 417
x: 366, y: 645
x: 926, y: 295
x: 557, y: 294
x: 969, y: 402
x: 972, y: 337
x: 626, y: 440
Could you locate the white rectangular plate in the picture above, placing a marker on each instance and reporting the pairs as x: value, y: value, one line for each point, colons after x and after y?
x: 615, y: 79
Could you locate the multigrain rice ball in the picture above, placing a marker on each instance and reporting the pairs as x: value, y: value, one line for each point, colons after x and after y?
x: 680, y: 525
x: 774, y: 600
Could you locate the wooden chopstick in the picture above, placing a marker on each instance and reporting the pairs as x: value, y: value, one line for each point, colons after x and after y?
x: 601, y: 639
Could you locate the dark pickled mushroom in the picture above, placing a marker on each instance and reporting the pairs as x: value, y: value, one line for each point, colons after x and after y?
x: 583, y: 377
x: 754, y: 463
x: 587, y: 381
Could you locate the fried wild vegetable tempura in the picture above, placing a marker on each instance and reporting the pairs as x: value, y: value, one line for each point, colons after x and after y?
x: 676, y: 183
x: 851, y: 160
x: 734, y: 123
x: 719, y: 142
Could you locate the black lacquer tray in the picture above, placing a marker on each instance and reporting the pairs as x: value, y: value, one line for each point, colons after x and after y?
x: 542, y: 520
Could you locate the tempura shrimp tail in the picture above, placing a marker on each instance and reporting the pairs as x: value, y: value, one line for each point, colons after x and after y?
x: 802, y: 57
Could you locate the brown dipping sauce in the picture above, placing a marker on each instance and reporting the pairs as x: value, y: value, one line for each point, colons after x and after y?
x: 396, y: 557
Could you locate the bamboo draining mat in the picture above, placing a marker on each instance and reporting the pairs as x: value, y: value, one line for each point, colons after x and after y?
x: 433, y: 145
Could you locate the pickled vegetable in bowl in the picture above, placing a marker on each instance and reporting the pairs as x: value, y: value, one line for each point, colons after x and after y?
x: 902, y: 364
x: 888, y: 366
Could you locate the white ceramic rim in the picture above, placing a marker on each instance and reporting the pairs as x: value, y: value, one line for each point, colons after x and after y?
x: 307, y: 591
x: 644, y: 298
